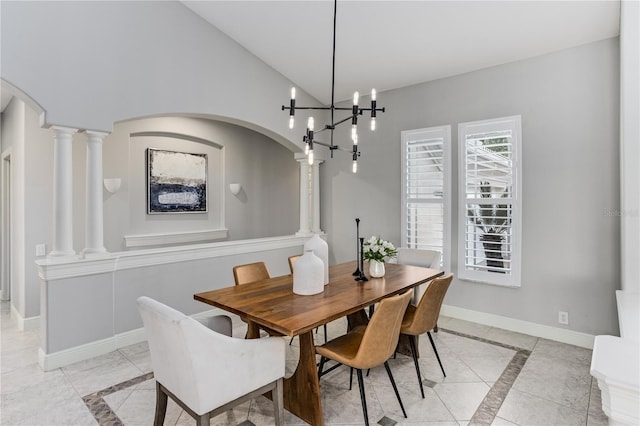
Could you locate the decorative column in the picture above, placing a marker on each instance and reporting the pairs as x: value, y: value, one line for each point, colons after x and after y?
x: 62, y: 192
x: 304, y: 195
x: 315, y: 177
x: 94, y: 234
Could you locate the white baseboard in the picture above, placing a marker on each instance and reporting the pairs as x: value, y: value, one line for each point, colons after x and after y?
x: 25, y: 324
x: 65, y: 357
x: 571, y: 337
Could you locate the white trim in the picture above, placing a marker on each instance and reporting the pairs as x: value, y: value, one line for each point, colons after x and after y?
x: 165, y: 238
x: 55, y: 268
x: 25, y: 324
x: 570, y: 337
x: 65, y: 357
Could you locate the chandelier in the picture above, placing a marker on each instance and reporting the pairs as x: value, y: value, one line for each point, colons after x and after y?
x: 355, y: 111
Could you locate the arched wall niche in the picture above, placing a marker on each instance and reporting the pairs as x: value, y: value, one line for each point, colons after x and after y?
x: 265, y: 168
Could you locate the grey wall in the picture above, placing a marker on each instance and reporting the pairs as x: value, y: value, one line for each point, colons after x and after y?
x: 569, y: 106
x: 31, y: 167
x: 108, y: 306
x: 91, y: 64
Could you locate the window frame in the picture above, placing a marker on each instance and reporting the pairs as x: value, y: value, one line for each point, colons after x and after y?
x: 406, y: 136
x: 513, y: 123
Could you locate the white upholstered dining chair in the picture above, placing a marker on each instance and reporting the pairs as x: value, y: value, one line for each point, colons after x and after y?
x: 206, y: 372
x: 419, y: 257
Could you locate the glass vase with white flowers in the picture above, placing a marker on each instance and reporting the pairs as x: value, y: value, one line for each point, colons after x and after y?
x: 376, y: 251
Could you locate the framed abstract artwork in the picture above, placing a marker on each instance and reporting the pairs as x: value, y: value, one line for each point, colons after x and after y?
x: 176, y: 182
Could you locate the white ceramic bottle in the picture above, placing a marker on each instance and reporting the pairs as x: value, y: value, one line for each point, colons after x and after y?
x: 321, y: 249
x: 308, y: 274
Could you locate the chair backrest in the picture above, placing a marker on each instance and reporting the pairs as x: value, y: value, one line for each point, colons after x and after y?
x: 428, y: 310
x: 250, y: 273
x: 170, y: 350
x: 201, y: 367
x: 292, y: 261
x: 419, y: 257
x: 381, y: 335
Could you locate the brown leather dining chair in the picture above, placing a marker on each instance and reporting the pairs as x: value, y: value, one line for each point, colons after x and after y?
x: 423, y: 318
x: 368, y: 346
x: 250, y: 273
x: 292, y: 261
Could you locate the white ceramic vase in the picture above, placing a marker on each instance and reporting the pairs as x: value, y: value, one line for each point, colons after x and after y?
x: 321, y: 249
x: 376, y: 269
x: 308, y: 274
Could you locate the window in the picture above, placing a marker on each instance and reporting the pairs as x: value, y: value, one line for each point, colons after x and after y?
x: 490, y: 201
x: 426, y: 189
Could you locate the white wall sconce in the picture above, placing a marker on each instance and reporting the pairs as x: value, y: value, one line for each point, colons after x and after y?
x: 235, y: 188
x: 112, y: 185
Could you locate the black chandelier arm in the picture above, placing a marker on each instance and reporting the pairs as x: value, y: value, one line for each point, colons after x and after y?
x: 333, y: 147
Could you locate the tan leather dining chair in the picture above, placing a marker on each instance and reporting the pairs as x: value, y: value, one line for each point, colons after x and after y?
x: 250, y: 273
x: 369, y: 346
x: 423, y: 318
x: 292, y: 261
x: 207, y: 372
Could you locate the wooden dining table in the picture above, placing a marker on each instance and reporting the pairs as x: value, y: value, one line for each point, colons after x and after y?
x: 272, y: 305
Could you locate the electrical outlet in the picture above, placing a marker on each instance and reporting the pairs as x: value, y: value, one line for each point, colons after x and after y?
x: 563, y: 318
x: 41, y: 249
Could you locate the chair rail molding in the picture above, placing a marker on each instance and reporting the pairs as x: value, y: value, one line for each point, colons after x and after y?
x: 60, y: 268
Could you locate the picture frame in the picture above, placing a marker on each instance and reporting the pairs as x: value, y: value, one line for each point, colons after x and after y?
x: 176, y: 182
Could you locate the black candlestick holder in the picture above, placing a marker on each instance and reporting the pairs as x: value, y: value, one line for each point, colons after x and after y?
x: 356, y: 273
x: 361, y: 276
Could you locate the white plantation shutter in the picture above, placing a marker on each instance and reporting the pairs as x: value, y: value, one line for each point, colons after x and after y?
x: 490, y: 202
x: 426, y: 170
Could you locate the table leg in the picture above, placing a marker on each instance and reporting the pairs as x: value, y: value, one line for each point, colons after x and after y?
x: 302, y: 389
x: 253, y: 330
x: 404, y: 347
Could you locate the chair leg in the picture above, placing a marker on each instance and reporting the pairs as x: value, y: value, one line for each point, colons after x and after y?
x: 278, y: 402
x: 321, y: 366
x: 350, y: 377
x: 395, y: 389
x: 203, y: 420
x: 412, y: 344
x: 290, y: 341
x: 161, y: 405
x: 433, y: 345
x: 325, y: 333
x: 362, y: 397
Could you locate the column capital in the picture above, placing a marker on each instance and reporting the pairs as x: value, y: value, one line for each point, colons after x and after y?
x: 95, y: 134
x: 300, y: 157
x: 64, y: 130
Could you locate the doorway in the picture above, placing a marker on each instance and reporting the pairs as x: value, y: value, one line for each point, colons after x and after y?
x: 5, y: 227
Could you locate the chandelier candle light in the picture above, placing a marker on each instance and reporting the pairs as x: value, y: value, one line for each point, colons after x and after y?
x: 355, y: 110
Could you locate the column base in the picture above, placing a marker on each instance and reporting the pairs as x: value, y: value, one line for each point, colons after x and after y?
x: 59, y: 253
x: 95, y: 253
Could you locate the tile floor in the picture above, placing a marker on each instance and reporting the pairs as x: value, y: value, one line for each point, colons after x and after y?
x: 493, y: 377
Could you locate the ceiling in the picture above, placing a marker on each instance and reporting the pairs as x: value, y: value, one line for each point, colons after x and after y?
x: 392, y: 44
